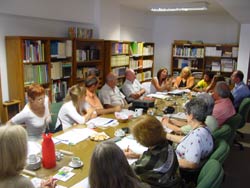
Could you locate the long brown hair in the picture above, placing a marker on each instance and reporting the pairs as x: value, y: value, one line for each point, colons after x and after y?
x: 109, y: 168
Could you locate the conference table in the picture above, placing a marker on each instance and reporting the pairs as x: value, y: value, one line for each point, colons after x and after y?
x: 84, y: 149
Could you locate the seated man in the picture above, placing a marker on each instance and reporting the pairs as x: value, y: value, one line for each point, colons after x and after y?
x: 110, y: 94
x: 132, y: 88
x: 240, y: 90
x: 91, y: 84
x: 223, y: 108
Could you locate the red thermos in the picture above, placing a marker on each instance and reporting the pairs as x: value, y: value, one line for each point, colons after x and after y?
x: 48, y: 151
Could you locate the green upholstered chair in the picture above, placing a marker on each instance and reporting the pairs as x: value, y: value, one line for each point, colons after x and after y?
x: 234, y: 123
x: 221, y: 151
x: 225, y: 133
x: 54, y: 109
x: 211, y: 175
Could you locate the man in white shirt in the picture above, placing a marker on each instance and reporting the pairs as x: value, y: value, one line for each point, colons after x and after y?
x: 132, y: 88
x: 110, y: 95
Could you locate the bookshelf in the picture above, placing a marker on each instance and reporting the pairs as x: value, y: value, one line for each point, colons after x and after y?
x: 88, y: 56
x: 217, y: 58
x: 61, y: 61
x: 186, y: 54
x: 138, y: 56
x: 27, y: 62
x: 221, y: 58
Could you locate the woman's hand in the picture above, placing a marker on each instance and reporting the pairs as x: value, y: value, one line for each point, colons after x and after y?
x: 130, y: 154
x: 49, y: 183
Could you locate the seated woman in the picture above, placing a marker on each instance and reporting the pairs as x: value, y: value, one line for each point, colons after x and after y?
x: 35, y: 115
x: 196, y: 146
x: 185, y: 80
x: 181, y: 127
x: 158, y: 166
x: 109, y: 168
x: 75, y: 110
x: 91, y: 84
x: 204, y: 83
x: 13, y: 155
x: 161, y: 82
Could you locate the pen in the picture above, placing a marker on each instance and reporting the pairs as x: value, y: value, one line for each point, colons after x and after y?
x: 128, y: 148
x: 110, y: 121
x: 66, y: 152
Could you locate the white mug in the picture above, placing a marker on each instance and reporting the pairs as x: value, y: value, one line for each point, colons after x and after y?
x: 138, y: 111
x: 76, y: 161
x: 32, y: 158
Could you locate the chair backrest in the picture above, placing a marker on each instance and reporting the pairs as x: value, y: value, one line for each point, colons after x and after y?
x: 211, y: 175
x: 244, y: 109
x: 225, y: 133
x: 54, y: 109
x: 221, y: 151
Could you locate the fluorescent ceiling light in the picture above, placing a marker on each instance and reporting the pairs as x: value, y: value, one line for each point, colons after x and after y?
x: 196, y: 6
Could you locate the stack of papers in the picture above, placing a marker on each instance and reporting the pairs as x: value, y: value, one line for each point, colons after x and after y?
x: 158, y: 95
x: 102, y: 122
x: 179, y: 91
x: 73, y: 136
x: 64, y: 174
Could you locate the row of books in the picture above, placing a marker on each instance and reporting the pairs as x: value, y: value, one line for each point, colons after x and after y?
x: 188, y: 52
x: 120, y: 48
x: 78, y: 32
x: 215, y: 52
x: 226, y: 65
x: 33, y: 51
x: 84, y: 72
x: 144, y: 76
x: 61, y: 70
x: 119, y: 60
x: 87, y: 55
x: 138, y: 48
x: 192, y: 63
x: 35, y: 74
x: 136, y: 64
x: 61, y: 49
x: 119, y: 71
x: 59, y: 90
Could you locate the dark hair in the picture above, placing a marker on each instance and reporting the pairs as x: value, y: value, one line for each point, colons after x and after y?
x: 91, y: 80
x: 148, y: 131
x: 159, y: 74
x: 239, y: 74
x: 209, y: 74
x: 109, y: 168
x: 198, y: 108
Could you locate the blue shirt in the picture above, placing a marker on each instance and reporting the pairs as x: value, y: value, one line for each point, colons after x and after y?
x: 240, y: 91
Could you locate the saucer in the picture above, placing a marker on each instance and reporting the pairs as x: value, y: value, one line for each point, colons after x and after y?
x: 76, y: 166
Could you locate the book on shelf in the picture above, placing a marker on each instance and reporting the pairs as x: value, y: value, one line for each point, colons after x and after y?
x: 59, y: 90
x: 227, y: 65
x: 33, y: 51
x: 215, y: 66
x: 35, y: 74
x: 60, y: 49
x: 119, y: 71
x: 120, y: 48
x: 78, y: 32
x: 235, y: 51
x: 119, y: 60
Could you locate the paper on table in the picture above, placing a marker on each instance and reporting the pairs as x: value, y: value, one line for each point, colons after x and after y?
x: 73, y: 136
x: 158, y: 96
x: 83, y: 184
x: 133, y: 145
x: 64, y: 173
x: 179, y: 115
x: 102, y: 122
x: 166, y: 129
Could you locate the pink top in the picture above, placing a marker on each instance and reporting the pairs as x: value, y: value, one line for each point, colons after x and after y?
x: 223, y: 109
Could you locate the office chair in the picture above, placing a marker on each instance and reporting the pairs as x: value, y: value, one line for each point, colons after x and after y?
x: 225, y: 133
x: 221, y: 151
x: 211, y: 175
x: 244, y: 110
x: 54, y: 109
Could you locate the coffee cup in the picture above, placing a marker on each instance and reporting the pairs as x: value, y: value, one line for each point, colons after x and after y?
x: 138, y: 111
x: 76, y: 161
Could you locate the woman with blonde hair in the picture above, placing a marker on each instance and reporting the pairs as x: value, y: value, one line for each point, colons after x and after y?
x: 35, y: 116
x: 109, y: 168
x: 185, y: 80
x: 13, y: 154
x: 75, y: 110
x: 161, y: 82
x: 158, y: 166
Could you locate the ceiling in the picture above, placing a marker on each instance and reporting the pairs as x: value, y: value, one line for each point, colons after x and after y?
x: 238, y: 9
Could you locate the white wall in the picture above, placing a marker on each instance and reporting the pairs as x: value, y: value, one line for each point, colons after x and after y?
x: 244, y: 50
x: 209, y: 29
x: 67, y: 10
x: 136, y: 25
x: 26, y: 26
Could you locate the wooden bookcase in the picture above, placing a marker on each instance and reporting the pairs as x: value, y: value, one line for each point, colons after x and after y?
x: 88, y: 56
x: 217, y: 58
x: 26, y: 55
x: 221, y: 58
x: 138, y: 56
